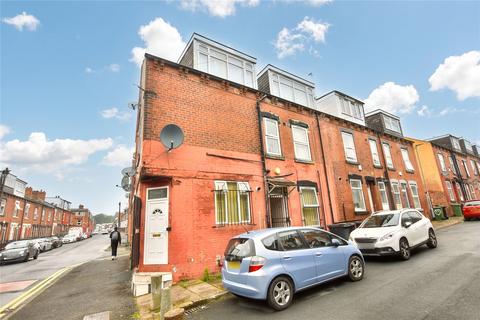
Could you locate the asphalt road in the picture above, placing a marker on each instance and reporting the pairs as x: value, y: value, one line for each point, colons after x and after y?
x: 440, y: 284
x: 51, y: 261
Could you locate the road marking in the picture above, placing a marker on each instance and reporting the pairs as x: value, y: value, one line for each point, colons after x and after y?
x: 42, y: 285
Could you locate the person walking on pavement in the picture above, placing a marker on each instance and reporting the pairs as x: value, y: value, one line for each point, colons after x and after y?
x: 115, y: 240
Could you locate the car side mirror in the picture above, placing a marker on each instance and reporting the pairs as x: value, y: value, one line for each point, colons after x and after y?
x: 407, y: 224
x: 336, y: 242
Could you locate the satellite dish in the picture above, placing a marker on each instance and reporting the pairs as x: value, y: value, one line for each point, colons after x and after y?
x: 128, y: 171
x: 125, y: 183
x: 171, y: 136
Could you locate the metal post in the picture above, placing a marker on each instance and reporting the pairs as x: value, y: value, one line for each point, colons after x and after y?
x: 119, y: 208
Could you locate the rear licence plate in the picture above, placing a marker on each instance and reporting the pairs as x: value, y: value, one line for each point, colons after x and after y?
x: 233, y: 265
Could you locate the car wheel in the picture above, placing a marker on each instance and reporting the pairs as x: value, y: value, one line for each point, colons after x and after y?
x: 280, y: 293
x: 432, y: 239
x: 404, y: 249
x: 36, y: 255
x: 356, y: 268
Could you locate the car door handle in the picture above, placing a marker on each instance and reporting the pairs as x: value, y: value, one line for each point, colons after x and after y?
x: 318, y: 254
x: 287, y: 258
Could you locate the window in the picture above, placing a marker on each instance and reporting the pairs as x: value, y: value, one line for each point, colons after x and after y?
x: 478, y: 166
x: 152, y: 194
x: 406, y: 160
x: 35, y: 213
x: 452, y: 165
x: 467, y: 192
x: 291, y: 240
x: 16, y: 209
x: 291, y: 90
x: 3, y: 204
x: 474, y: 167
x: 43, y: 215
x: 456, y: 143
x: 392, y: 124
x: 351, y: 108
x: 383, y: 195
x: 459, y: 192
x: 441, y: 159
x: 468, y: 146
x: 374, y: 151
x: 218, y: 63
x: 349, y: 147
x: 357, y: 193
x: 317, y: 238
x: 301, y: 143
x: 414, y: 191
x: 49, y: 216
x: 232, y: 202
x: 27, y: 210
x: 388, y: 155
x: 405, y: 200
x: 450, y: 191
x: 466, y: 168
x: 472, y: 191
x: 271, y: 243
x: 309, y: 206
x: 396, y: 195
x: 272, y: 137
x: 414, y: 216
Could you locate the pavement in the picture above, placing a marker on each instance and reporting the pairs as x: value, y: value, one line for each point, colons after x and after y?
x: 96, y: 286
x: 435, y: 284
x: 17, y: 278
x: 440, y: 224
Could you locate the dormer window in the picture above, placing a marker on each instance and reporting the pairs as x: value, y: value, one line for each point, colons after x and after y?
x: 351, y: 108
x: 392, y: 124
x: 468, y: 146
x: 455, y: 143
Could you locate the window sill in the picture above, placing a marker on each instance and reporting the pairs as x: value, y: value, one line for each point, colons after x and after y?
x: 361, y: 212
x: 391, y: 169
x: 219, y: 226
x: 304, y: 161
x: 410, y: 171
x: 377, y: 167
x: 274, y: 157
x: 355, y: 163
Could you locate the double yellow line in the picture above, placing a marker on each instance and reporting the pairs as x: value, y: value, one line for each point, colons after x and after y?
x: 39, y: 287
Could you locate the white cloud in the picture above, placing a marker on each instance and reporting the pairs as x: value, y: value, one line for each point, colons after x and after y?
x: 89, y: 70
x: 450, y: 110
x: 424, y: 111
x: 38, y: 154
x: 460, y: 74
x: 317, y: 3
x: 23, y: 20
x: 121, y: 156
x: 115, y: 113
x: 217, y: 8
x: 161, y: 39
x: 316, y: 29
x: 291, y: 41
x: 114, y: 67
x: 4, y: 130
x: 393, y: 98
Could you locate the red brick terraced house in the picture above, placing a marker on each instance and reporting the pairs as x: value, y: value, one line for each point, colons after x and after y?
x: 255, y: 155
x: 82, y: 217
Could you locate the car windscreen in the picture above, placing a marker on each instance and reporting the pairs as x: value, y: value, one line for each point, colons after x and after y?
x: 381, y: 220
x: 16, y: 245
x: 472, y: 204
x: 239, y: 248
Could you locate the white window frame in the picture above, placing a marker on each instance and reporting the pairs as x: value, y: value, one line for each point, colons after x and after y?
x: 468, y: 146
x: 460, y: 192
x: 3, y: 204
x: 26, y: 213
x: 474, y: 167
x: 383, y: 190
x: 452, y: 165
x: 301, y: 143
x: 35, y: 213
x: 392, y: 124
x: 317, y: 206
x: 465, y: 166
x: 467, y: 191
x: 375, y: 155
x: 472, y: 191
x: 406, y: 160
x: 456, y: 143
x: 221, y: 185
x: 396, y: 194
x: 16, y: 209
x: 415, y: 196
x: 346, y: 148
x: 271, y: 136
x: 404, y: 191
x: 361, y: 209
x: 441, y: 159
x: 450, y: 192
x: 387, y: 150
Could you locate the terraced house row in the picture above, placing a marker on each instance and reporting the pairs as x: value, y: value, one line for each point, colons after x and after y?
x: 26, y: 213
x: 260, y: 150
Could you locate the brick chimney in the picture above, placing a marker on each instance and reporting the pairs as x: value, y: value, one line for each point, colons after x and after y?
x: 35, y: 194
x: 80, y: 206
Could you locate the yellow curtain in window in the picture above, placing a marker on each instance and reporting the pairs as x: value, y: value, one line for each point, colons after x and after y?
x: 220, y: 206
x: 244, y: 207
x: 311, y: 216
x: 232, y: 203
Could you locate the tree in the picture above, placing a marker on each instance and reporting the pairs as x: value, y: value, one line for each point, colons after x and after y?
x: 103, y: 218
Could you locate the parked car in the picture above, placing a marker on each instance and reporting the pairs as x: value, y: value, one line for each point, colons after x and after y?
x: 44, y: 244
x: 394, y: 232
x: 69, y: 238
x: 273, y: 264
x: 19, y: 251
x: 471, y: 210
x: 56, y: 242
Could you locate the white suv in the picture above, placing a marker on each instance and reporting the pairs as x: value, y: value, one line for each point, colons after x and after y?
x: 394, y: 233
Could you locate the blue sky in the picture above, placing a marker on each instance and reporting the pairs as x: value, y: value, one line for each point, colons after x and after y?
x: 67, y: 73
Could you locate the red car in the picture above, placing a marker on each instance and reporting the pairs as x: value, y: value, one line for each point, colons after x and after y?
x: 471, y: 210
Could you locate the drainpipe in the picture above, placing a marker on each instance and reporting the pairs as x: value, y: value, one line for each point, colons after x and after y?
x: 264, y: 166
x: 325, y: 171
x: 388, y: 185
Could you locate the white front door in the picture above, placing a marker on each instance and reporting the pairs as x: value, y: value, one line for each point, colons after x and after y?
x: 156, y: 224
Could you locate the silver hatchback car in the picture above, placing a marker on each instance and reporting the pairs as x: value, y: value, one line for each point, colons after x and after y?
x: 273, y: 264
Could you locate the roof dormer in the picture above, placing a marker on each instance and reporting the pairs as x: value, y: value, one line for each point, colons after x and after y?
x: 342, y: 106
x: 384, y: 122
